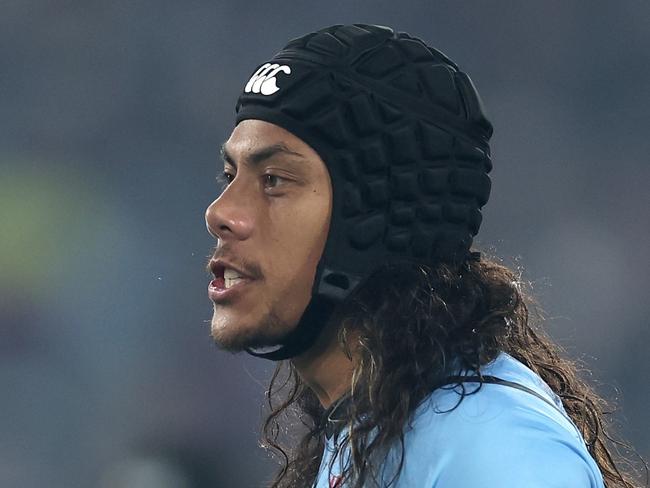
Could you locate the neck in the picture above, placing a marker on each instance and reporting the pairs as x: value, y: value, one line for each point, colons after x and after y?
x: 325, y: 368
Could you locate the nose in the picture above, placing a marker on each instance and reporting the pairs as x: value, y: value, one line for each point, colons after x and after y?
x: 209, y: 220
x: 229, y: 218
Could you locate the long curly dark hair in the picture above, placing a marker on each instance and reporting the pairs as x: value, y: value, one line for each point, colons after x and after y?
x: 406, y: 332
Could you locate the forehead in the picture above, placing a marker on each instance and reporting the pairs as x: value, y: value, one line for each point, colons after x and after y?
x: 252, y: 135
x: 254, y: 142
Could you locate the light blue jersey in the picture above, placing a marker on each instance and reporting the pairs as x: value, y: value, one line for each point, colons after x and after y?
x: 499, y: 437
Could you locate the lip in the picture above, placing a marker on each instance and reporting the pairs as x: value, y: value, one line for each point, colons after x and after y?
x: 218, y: 293
x: 218, y: 265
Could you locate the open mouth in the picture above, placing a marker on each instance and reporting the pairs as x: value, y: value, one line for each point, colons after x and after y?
x: 227, y: 282
x: 220, y: 289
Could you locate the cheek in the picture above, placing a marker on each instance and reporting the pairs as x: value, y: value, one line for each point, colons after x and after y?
x: 297, y: 251
x: 299, y: 232
x: 288, y: 291
x: 309, y: 240
x: 295, y: 259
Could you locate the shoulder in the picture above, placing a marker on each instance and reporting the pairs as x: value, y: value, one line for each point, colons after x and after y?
x: 498, y: 436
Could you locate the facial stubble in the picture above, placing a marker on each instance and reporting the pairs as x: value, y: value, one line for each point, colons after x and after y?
x: 269, y: 330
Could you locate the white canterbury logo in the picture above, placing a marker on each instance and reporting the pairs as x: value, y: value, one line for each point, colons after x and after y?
x: 263, y: 81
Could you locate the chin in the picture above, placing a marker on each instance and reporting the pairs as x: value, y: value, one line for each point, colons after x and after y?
x: 234, y: 337
x: 227, y: 343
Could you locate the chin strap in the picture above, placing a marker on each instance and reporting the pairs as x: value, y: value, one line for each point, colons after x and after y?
x: 330, y: 288
x: 304, y: 335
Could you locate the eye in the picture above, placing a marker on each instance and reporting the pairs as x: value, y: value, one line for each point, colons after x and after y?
x: 270, y: 179
x: 225, y: 178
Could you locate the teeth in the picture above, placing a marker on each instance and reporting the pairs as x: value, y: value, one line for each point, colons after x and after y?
x: 230, y: 274
x: 232, y: 282
x: 231, y: 277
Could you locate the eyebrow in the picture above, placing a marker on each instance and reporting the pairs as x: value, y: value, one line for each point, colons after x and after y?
x: 258, y: 157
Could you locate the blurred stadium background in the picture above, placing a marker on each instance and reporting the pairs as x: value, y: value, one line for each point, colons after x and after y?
x: 111, y: 118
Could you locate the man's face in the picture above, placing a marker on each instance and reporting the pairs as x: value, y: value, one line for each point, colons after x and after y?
x: 271, y: 223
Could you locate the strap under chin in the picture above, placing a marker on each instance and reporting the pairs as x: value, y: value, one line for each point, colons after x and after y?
x: 304, y: 335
